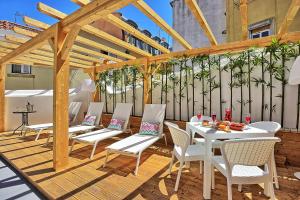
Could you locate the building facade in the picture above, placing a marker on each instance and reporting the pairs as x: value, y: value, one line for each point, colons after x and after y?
x: 264, y: 18
x: 187, y: 26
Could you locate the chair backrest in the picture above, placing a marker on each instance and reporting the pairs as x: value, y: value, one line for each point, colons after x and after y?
x: 95, y: 109
x: 271, y: 127
x: 122, y: 111
x: 74, y: 108
x: 155, y: 113
x: 250, y: 151
x: 180, y: 137
x: 195, y: 119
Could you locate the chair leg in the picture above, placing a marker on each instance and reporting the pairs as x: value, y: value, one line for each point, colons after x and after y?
x: 240, y: 187
x: 106, y: 158
x: 49, y: 136
x: 178, y: 176
x: 93, y: 152
x: 38, y: 135
x: 72, y: 146
x: 171, y: 163
x: 166, y: 142
x: 229, y: 189
x: 212, y: 178
x: 271, y: 190
x: 25, y: 131
x: 201, y: 167
x: 275, y: 172
x: 137, y: 164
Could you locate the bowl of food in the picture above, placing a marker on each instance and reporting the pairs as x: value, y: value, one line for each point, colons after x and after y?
x: 237, y: 126
x: 205, y: 123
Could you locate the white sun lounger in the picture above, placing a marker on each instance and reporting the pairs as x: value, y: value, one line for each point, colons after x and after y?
x: 74, y: 108
x: 95, y: 109
x: 134, y: 145
x: 122, y: 111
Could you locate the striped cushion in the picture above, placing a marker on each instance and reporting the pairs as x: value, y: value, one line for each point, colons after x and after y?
x: 116, y: 124
x: 89, y: 120
x: 149, y: 128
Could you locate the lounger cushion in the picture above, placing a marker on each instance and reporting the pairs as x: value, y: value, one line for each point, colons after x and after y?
x: 116, y: 124
x: 89, y: 120
x: 133, y: 144
x: 149, y: 128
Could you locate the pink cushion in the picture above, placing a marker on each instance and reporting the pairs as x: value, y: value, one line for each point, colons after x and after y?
x: 89, y: 120
x: 117, y: 124
x: 149, y: 128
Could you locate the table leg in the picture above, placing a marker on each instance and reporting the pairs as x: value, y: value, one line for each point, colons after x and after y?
x: 207, y: 170
x: 17, y: 129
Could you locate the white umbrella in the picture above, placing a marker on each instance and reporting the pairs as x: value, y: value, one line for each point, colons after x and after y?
x: 88, y: 85
x: 294, y: 79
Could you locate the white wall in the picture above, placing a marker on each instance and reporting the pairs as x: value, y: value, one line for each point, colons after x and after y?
x: 43, y: 104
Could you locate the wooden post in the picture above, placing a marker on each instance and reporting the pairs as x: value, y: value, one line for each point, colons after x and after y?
x: 93, y: 75
x: 244, y: 18
x: 62, y: 45
x: 147, y: 76
x: 2, y: 97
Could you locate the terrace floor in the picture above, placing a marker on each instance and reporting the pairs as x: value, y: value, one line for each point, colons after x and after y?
x: 86, y: 179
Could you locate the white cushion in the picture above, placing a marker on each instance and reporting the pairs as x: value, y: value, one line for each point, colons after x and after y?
x: 95, y: 136
x: 133, y: 144
x: 193, y: 152
x: 242, y: 171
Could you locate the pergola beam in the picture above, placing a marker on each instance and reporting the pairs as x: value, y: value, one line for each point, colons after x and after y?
x: 148, y: 11
x: 195, y: 9
x: 34, y: 43
x: 244, y: 18
x: 126, y: 27
x: 2, y: 97
x: 218, y: 49
x: 45, y: 9
x: 290, y: 16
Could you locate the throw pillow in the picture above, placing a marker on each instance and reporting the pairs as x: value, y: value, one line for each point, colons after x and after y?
x: 89, y: 120
x: 117, y: 124
x: 149, y: 128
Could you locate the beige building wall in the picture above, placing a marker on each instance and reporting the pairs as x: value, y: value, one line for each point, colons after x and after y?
x: 40, y: 78
x: 258, y: 10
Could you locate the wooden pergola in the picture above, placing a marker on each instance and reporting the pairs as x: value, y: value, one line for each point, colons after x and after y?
x: 54, y: 47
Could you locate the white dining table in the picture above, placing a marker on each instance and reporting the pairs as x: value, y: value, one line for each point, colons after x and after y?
x: 210, y: 134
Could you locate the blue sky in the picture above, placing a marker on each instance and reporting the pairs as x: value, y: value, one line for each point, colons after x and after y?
x: 28, y: 7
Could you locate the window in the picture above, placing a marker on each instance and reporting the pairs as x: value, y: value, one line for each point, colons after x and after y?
x: 261, y: 29
x: 21, y: 69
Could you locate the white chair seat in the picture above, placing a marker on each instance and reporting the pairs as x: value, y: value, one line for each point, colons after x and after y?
x: 40, y: 126
x: 215, y: 143
x: 133, y: 144
x: 193, y: 152
x: 95, y: 136
x: 241, y: 171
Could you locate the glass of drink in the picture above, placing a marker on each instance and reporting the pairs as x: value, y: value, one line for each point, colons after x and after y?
x: 214, y: 117
x: 248, y: 118
x: 227, y: 114
x: 199, y: 116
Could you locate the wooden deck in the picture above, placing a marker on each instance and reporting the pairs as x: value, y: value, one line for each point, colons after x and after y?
x: 86, y: 179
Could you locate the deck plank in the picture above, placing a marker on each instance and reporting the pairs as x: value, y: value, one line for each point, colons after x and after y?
x: 87, y: 179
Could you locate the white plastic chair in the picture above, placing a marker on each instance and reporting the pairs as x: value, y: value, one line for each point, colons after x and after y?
x: 122, y: 111
x: 241, y: 159
x: 183, y: 150
x: 135, y: 145
x: 272, y: 127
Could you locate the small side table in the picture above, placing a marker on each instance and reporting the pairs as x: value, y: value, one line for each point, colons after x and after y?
x: 24, y: 120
